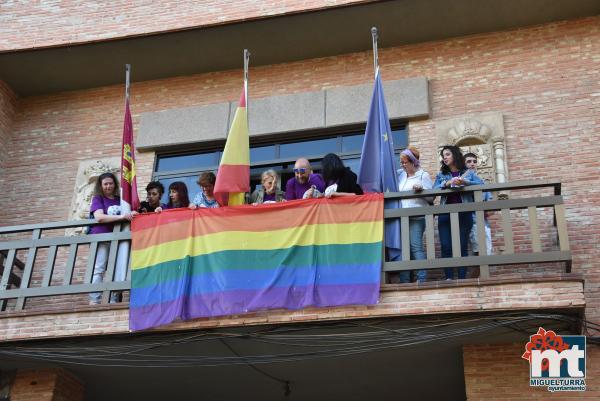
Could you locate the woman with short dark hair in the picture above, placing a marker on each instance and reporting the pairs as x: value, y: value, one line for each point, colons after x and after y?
x: 154, y: 192
x: 206, y: 197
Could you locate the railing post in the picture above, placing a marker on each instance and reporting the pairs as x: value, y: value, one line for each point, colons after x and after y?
x: 89, y: 270
x: 70, y: 264
x: 484, y: 270
x: 563, y: 234
x: 536, y: 243
x: 8, y: 264
x: 455, y: 233
x: 405, y: 237
x: 110, y: 266
x: 430, y: 236
x: 49, y: 266
x: 27, y: 271
x: 509, y: 246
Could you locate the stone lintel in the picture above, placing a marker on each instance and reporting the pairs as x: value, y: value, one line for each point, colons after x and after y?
x: 308, y: 111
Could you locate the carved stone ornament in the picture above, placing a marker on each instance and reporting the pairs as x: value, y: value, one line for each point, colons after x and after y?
x: 481, y: 134
x: 87, y: 174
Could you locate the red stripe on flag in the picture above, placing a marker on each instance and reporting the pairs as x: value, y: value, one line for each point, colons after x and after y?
x: 233, y: 178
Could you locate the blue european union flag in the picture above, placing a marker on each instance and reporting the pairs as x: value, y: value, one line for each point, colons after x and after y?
x: 378, y: 169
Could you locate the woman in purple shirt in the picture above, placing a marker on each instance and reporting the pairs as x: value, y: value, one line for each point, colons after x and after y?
x: 106, y: 209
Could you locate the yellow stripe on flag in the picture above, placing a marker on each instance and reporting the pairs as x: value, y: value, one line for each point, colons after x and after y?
x: 237, y: 147
x: 313, y: 234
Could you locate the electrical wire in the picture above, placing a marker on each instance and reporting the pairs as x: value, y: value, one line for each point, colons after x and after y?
x: 308, y: 341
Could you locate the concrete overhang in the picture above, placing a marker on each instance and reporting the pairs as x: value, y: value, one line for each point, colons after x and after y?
x: 419, y: 358
x: 274, y: 40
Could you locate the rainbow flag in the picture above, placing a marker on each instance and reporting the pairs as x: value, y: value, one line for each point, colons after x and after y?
x: 213, y: 262
x: 233, y: 178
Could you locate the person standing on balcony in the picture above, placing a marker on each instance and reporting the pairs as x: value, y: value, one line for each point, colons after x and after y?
x: 106, y: 209
x: 178, y: 197
x: 154, y: 191
x: 455, y: 175
x: 303, y: 180
x: 412, y: 177
x: 205, y: 198
x: 269, y: 192
x: 340, y: 180
x: 471, y: 163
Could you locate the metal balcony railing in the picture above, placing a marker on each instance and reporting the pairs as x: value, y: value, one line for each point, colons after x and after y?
x: 39, y: 261
x: 503, y: 204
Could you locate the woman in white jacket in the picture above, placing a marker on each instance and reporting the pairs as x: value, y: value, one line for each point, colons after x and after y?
x: 413, y: 178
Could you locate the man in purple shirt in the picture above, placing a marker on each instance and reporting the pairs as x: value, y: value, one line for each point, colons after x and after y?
x: 302, y: 181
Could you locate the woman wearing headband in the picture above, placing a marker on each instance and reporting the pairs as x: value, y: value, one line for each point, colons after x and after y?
x: 413, y: 178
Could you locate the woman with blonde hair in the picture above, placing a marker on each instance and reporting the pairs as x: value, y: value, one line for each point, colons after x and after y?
x: 269, y: 192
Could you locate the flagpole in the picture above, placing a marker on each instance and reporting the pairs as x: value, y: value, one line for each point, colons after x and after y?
x: 127, y: 88
x: 127, y: 85
x: 122, y: 262
x: 246, y: 64
x: 375, y: 53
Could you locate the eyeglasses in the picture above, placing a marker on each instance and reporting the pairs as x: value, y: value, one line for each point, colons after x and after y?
x: 299, y: 170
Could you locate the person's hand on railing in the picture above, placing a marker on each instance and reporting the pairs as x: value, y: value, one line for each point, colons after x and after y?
x: 158, y: 210
x: 192, y: 206
x: 455, y: 182
x: 417, y: 187
x: 129, y: 216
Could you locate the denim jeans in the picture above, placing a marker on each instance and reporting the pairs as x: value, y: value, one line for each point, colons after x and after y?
x: 465, y: 220
x: 416, y: 229
x: 100, y: 269
x: 474, y: 241
x: 417, y: 252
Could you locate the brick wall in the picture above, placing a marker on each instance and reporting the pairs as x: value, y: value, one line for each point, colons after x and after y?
x: 8, y: 103
x: 46, y: 385
x: 543, y: 79
x: 497, y: 373
x: 69, y: 22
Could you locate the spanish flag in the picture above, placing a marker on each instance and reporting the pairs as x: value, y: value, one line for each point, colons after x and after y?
x: 233, y: 178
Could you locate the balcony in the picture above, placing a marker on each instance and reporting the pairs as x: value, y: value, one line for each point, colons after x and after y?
x: 48, y: 273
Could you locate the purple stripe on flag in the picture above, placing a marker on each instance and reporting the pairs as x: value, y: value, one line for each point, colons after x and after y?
x: 244, y: 301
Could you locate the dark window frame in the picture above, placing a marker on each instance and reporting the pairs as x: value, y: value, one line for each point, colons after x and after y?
x: 287, y: 164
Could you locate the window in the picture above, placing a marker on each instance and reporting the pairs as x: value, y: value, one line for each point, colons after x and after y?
x: 279, y: 156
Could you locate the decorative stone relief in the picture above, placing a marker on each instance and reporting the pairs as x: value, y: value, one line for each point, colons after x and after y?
x: 482, y: 134
x: 87, y: 174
